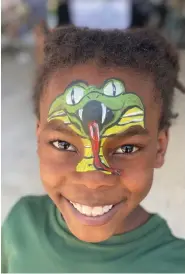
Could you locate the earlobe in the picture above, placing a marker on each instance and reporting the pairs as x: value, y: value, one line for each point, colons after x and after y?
x: 38, y: 128
x: 162, y: 144
x: 37, y: 133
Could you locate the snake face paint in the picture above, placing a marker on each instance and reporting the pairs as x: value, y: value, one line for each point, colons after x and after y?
x: 96, y: 113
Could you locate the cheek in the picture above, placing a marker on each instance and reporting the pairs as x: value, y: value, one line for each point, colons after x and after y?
x: 138, y: 181
x: 138, y: 174
x: 51, y: 174
x: 54, y: 165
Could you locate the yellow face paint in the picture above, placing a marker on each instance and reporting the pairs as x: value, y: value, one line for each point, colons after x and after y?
x: 95, y: 114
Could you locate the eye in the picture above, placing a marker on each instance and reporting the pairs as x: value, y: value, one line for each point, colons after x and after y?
x: 63, y: 145
x: 113, y: 88
x: 75, y: 94
x: 127, y: 149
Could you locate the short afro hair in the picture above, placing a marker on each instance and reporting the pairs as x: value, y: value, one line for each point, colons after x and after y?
x: 141, y: 49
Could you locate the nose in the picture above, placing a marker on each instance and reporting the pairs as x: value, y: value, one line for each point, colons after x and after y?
x: 96, y: 179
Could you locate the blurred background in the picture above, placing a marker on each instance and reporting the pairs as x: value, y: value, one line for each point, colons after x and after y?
x: 24, y: 23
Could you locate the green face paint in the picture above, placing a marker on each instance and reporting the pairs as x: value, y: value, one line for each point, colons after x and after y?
x: 96, y: 113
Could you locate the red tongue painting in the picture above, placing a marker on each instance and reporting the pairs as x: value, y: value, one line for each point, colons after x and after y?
x: 94, y: 133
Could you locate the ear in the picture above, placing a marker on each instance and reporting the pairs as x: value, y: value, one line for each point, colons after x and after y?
x: 38, y: 129
x: 162, y: 144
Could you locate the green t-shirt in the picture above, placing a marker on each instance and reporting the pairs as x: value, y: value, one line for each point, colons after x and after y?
x: 35, y: 238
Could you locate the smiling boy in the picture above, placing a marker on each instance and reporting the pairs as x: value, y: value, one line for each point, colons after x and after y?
x: 103, y: 102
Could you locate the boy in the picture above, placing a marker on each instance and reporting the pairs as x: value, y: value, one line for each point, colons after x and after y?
x: 103, y: 102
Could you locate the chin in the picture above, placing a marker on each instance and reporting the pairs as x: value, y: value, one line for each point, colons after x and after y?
x: 92, y: 229
x: 90, y: 234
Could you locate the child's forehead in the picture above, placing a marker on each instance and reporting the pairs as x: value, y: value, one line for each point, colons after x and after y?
x: 134, y: 81
x: 139, y: 83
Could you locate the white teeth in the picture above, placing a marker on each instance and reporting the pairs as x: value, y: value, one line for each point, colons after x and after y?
x: 98, y: 210
x: 86, y: 210
x: 78, y: 207
x: 107, y: 208
x: 92, y: 211
x: 80, y: 112
x: 104, y: 112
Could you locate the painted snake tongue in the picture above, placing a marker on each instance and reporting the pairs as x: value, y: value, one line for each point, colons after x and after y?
x: 95, y: 140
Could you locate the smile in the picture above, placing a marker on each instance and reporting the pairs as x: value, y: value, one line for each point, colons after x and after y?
x: 92, y: 211
x: 94, y: 216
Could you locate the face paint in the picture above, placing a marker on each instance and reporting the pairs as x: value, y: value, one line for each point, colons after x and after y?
x: 96, y: 113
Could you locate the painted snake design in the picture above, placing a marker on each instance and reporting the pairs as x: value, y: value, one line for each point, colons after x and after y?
x: 96, y: 114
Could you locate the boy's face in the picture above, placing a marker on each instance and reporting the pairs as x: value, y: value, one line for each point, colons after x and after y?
x: 97, y: 154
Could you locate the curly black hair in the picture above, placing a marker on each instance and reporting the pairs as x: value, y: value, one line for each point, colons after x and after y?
x: 141, y: 49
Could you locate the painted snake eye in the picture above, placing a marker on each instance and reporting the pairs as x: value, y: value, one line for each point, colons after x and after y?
x: 75, y: 94
x: 113, y: 88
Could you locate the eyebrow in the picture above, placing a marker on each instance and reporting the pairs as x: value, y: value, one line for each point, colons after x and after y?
x: 133, y: 131
x: 130, y: 132
x: 60, y: 127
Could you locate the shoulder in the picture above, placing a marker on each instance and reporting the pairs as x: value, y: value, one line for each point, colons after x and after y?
x: 168, y: 251
x: 26, y: 209
x: 170, y: 255
x: 166, y: 239
x: 23, y: 226
x: 28, y: 203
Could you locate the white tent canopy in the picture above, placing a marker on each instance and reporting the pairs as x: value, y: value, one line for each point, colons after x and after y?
x: 104, y: 14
